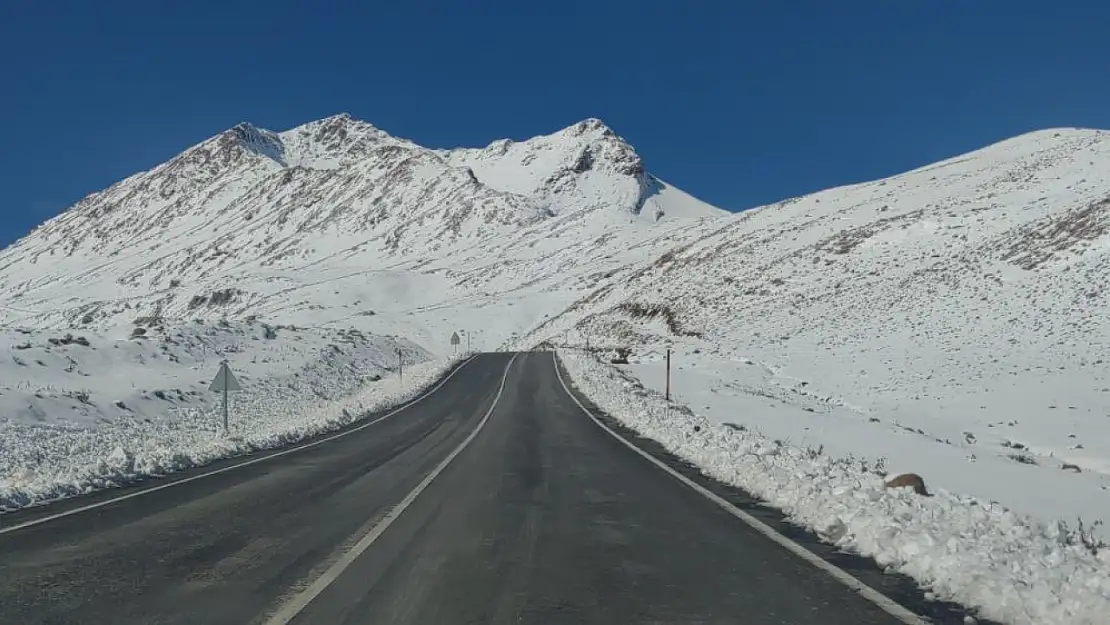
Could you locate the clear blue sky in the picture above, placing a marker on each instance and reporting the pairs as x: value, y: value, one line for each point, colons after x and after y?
x: 740, y: 103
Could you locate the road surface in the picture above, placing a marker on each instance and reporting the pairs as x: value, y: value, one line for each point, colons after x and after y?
x: 526, y: 511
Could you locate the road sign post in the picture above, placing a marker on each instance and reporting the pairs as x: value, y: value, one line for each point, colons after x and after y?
x: 224, y: 383
x: 668, y: 395
x: 400, y: 365
x: 455, y: 342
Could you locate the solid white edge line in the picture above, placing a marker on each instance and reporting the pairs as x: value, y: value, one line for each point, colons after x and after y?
x: 887, y: 604
x: 108, y: 502
x: 300, y: 601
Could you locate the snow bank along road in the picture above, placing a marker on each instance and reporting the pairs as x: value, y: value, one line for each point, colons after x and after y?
x: 496, y: 499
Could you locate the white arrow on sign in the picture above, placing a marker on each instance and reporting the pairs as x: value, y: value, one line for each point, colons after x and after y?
x: 225, y: 381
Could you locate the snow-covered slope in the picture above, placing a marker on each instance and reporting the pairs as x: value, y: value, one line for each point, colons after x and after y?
x: 951, y: 319
x: 82, y: 411
x: 351, y: 242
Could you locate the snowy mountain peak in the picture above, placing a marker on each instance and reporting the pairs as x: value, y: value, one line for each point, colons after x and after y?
x: 590, y: 124
x: 261, y: 142
x: 583, y: 167
x: 335, y: 141
x: 615, y: 151
x: 336, y: 124
x: 250, y: 202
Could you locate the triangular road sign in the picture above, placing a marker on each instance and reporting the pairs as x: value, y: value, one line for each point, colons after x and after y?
x: 225, y: 380
x: 455, y: 338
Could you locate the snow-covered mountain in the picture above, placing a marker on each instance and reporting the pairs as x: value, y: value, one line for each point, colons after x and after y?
x: 961, y: 302
x: 950, y: 321
x: 311, y: 259
x: 249, y: 221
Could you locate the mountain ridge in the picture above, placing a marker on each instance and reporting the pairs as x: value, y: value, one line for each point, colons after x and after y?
x: 250, y: 199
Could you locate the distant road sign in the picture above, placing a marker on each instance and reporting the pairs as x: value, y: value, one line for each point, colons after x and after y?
x: 455, y: 338
x: 225, y: 380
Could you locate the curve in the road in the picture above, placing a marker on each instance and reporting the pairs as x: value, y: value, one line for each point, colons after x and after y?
x: 292, y: 608
x: 546, y: 519
x: 491, y: 499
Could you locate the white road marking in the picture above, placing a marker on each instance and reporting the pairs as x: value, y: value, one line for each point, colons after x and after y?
x: 300, y: 601
x: 108, y: 502
x: 887, y: 604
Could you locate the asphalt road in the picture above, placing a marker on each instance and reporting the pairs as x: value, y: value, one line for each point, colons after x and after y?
x: 542, y: 517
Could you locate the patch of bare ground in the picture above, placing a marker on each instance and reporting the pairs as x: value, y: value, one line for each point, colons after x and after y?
x: 1046, y: 239
x: 638, y: 310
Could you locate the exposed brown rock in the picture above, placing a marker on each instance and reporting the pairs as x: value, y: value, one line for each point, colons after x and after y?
x: 912, y: 480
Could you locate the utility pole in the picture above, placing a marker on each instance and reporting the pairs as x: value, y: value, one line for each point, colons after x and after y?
x: 668, y: 395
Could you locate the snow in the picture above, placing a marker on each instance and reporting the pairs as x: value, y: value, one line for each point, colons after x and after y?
x: 124, y: 409
x: 583, y: 166
x: 667, y: 200
x: 938, y: 446
x: 1010, y: 567
x: 949, y: 321
x: 335, y: 233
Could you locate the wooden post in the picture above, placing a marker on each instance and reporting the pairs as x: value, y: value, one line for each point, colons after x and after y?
x: 668, y: 395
